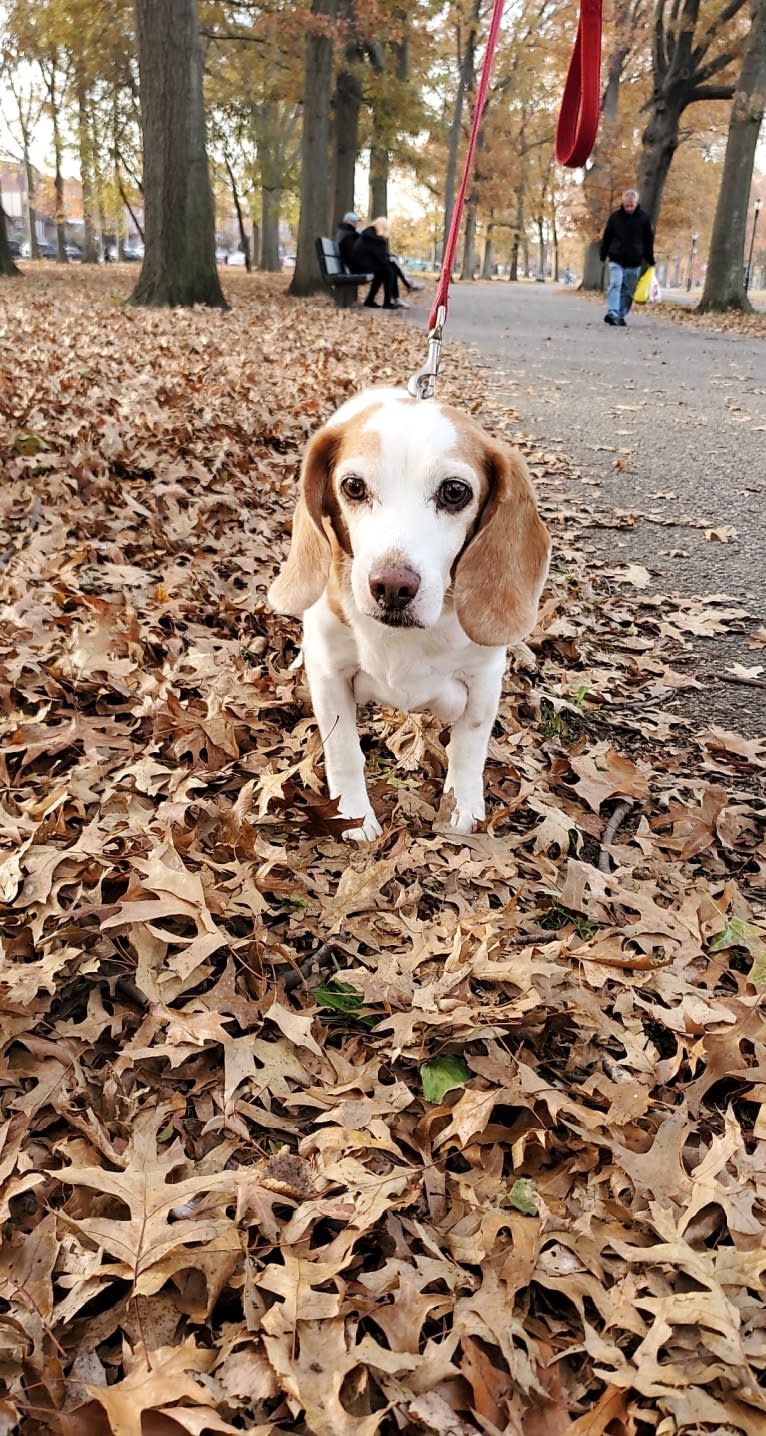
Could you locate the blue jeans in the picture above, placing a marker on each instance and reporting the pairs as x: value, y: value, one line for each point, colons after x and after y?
x: 622, y: 284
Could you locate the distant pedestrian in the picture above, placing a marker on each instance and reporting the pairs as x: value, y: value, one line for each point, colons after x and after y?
x: 627, y: 245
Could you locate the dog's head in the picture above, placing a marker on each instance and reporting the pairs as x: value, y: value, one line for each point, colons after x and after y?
x: 407, y: 504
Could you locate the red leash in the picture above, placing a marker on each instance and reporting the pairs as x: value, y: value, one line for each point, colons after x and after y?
x: 581, y: 103
x: 448, y: 258
x: 575, y: 137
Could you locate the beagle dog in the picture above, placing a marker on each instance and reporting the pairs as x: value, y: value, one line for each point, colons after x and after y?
x: 417, y: 556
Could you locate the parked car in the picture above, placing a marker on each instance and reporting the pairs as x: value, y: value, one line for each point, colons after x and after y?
x: 44, y: 250
x: 230, y: 256
x: 14, y: 246
x: 132, y: 256
x: 73, y: 252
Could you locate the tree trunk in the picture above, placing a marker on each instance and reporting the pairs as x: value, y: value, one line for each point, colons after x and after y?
x: 348, y: 101
x: 518, y: 235
x: 98, y: 182
x: 378, y: 190
x: 58, y: 183
x: 90, y: 251
x: 469, y: 237
x: 659, y: 143
x: 542, y: 258
x: 592, y: 267
x: 724, y: 280
x: 29, y: 171
x: 271, y: 200
x: 7, y: 266
x: 34, y: 244
x: 487, y: 264
x: 179, y: 265
x: 243, y: 242
x: 465, y: 84
x: 315, y: 158
x: 687, y: 67
x: 256, y: 228
x: 49, y: 71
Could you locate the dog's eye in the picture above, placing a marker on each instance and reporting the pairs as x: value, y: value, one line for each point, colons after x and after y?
x: 453, y: 494
x: 354, y: 488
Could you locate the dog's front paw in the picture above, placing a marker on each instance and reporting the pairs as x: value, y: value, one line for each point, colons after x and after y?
x: 462, y: 820
x: 369, y: 830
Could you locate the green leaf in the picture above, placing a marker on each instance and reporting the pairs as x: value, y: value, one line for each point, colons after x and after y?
x: 523, y: 1197
x: 340, y: 996
x: 344, y: 1000
x: 738, y: 933
x: 441, y: 1075
x: 30, y: 444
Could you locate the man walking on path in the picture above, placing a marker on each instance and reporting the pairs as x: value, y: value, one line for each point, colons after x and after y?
x: 628, y: 243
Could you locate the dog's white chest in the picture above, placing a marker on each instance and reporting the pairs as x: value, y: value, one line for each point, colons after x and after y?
x: 409, y: 670
x: 443, y: 696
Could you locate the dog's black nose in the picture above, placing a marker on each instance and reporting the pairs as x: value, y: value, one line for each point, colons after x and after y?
x: 394, y: 587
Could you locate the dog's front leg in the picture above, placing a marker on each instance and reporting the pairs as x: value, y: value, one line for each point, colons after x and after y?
x: 333, y: 702
x: 467, y: 750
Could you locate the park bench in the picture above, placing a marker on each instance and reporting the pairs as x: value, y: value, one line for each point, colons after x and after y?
x: 335, y: 274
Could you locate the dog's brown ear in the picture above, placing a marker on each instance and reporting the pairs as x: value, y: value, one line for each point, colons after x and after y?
x: 302, y: 578
x: 501, y: 572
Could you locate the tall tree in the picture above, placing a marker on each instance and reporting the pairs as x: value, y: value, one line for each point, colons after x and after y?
x: 7, y: 266
x: 465, y: 36
x: 724, y: 278
x: 275, y: 125
x: 253, y: 76
x: 28, y: 108
x: 347, y: 105
x: 85, y: 137
x: 179, y: 219
x: 691, y: 61
x: 315, y: 147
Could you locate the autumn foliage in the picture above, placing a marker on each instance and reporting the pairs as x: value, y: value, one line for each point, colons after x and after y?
x: 446, y: 1135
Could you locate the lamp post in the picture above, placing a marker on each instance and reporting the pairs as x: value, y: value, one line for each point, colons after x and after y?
x: 692, y: 252
x: 756, y: 211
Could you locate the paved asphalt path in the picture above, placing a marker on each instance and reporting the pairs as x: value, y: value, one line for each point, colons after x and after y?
x: 664, y: 421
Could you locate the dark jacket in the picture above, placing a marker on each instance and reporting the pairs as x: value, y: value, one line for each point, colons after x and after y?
x: 346, y: 239
x: 628, y: 238
x: 370, y: 252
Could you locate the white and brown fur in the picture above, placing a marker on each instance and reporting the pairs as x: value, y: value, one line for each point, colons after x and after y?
x: 406, y: 598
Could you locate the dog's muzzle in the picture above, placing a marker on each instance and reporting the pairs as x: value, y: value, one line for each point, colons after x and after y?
x: 393, y: 587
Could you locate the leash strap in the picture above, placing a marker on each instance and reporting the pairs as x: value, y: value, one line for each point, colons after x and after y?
x: 581, y: 103
x: 575, y: 137
x: 448, y: 259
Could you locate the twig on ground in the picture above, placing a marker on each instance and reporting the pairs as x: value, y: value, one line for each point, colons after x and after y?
x: 738, y: 678
x: 610, y: 832
x: 319, y: 958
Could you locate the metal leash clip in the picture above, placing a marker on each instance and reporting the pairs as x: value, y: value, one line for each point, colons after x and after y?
x: 423, y: 382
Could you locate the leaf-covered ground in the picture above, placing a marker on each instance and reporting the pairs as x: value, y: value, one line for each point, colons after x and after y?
x: 445, y: 1135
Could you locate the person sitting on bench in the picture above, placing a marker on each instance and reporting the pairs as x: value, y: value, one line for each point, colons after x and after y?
x: 370, y: 252
x: 348, y: 233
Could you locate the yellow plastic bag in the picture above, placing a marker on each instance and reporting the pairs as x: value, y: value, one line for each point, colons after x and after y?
x: 641, y: 293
